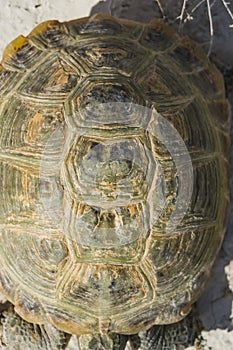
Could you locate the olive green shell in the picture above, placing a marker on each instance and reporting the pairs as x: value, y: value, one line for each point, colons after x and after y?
x: 89, y: 182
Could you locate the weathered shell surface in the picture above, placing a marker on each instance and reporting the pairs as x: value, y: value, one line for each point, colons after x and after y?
x: 81, y: 243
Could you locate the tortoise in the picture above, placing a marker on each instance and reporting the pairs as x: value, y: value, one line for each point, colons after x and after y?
x: 114, y: 146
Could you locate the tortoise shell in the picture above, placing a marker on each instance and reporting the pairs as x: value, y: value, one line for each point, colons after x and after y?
x: 113, y: 162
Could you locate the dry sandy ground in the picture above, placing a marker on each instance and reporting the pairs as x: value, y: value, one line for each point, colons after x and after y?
x: 20, y: 16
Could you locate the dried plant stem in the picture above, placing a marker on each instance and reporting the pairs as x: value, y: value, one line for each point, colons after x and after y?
x: 210, y: 26
x: 160, y: 8
x: 187, y: 14
x: 225, y: 4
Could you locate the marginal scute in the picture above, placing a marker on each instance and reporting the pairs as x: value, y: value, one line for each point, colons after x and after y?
x: 196, y: 135
x: 169, y: 275
x: 77, y: 320
x: 43, y: 27
x: 225, y: 146
x: 21, y: 55
x: 14, y: 46
x: 8, y: 287
x: 158, y: 36
x: 50, y: 35
x: 29, y: 308
x: 188, y: 56
x: 45, y: 266
x: 220, y: 111
x: 205, y: 180
x: 98, y: 25
x: 8, y: 80
x: 209, y: 80
x: 103, y: 25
